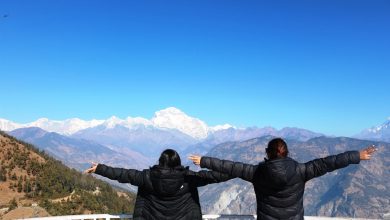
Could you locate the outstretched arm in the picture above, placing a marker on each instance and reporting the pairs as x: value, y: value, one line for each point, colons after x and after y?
x: 203, y: 177
x: 231, y: 168
x: 319, y: 167
x: 132, y: 176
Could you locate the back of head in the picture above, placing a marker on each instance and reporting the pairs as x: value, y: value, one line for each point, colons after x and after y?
x: 277, y: 148
x: 167, y: 177
x: 169, y: 159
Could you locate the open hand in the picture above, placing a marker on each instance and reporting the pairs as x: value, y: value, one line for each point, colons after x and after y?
x: 366, y: 153
x: 195, y: 159
x: 92, y: 169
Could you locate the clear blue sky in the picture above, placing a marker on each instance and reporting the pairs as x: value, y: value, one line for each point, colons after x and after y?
x: 319, y: 65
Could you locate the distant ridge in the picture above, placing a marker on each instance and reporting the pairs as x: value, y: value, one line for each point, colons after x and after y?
x: 77, y: 153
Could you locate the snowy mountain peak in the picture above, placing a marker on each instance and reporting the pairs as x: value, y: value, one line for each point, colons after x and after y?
x: 112, y: 121
x: 41, y: 120
x: 379, y: 128
x: 169, y: 118
x: 66, y: 127
x: 113, y: 118
x: 169, y: 111
x: 380, y: 132
x: 221, y: 127
x: 174, y: 118
x: 7, y: 125
x: 130, y: 122
x: 74, y: 120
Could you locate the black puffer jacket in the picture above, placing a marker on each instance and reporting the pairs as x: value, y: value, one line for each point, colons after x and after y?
x: 279, y: 184
x: 163, y: 193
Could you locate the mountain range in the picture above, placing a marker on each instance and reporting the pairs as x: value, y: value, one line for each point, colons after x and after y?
x: 177, y: 123
x: 137, y: 143
x: 170, y: 118
x: 169, y: 128
x: 77, y: 153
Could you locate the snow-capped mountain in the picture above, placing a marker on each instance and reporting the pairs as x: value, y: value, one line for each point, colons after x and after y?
x: 220, y: 127
x: 148, y: 140
x: 173, y: 118
x: 168, y: 128
x: 169, y: 118
x: 380, y: 132
x: 7, y: 125
x: 66, y: 127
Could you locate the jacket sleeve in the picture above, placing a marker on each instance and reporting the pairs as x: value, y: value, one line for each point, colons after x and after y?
x: 319, y: 167
x: 205, y: 177
x: 135, y: 177
x: 231, y: 168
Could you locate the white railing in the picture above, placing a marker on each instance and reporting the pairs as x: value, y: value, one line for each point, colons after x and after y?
x: 84, y: 217
x: 124, y: 216
x: 205, y: 217
x: 223, y: 217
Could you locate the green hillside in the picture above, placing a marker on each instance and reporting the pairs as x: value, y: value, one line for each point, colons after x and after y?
x: 29, y: 176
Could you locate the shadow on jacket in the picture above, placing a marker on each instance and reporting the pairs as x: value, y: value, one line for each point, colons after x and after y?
x: 164, y: 193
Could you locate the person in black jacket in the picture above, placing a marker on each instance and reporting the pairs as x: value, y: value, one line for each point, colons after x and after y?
x: 167, y: 191
x: 279, y: 181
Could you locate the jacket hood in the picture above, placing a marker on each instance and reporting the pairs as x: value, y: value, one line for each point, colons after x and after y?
x: 167, y: 181
x: 280, y: 171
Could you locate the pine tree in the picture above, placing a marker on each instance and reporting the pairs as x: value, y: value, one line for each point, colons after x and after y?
x: 20, y: 186
x: 3, y: 174
x: 27, y: 186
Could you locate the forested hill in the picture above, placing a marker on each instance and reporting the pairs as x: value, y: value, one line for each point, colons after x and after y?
x: 31, y: 178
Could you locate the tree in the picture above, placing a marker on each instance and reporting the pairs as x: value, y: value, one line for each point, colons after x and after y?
x: 13, y: 177
x: 20, y: 186
x: 27, y: 186
x: 3, y: 174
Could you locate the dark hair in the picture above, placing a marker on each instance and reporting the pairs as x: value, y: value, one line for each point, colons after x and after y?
x: 277, y: 148
x: 169, y: 158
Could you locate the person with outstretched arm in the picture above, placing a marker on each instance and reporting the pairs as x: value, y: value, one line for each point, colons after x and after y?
x: 167, y: 191
x: 279, y: 181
